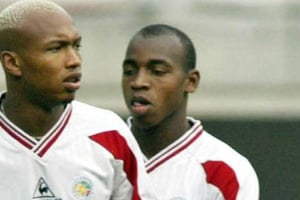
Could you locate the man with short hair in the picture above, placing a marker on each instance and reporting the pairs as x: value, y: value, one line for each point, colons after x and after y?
x: 51, y: 146
x: 183, y: 160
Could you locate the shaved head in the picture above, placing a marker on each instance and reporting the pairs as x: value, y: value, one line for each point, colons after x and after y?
x: 157, y: 30
x: 12, y: 16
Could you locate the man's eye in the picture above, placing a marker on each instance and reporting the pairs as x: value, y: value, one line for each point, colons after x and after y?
x: 54, y: 49
x: 77, y: 47
x: 128, y: 72
x: 159, y: 72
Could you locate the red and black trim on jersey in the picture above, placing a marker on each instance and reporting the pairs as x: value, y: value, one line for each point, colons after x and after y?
x: 38, y: 147
x: 49, y: 139
x: 218, y: 173
x: 175, y: 148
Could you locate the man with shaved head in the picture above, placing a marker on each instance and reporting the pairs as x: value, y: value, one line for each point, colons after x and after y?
x: 53, y: 147
x: 184, y: 161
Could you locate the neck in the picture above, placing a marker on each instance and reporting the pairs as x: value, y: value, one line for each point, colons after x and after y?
x: 154, y: 139
x: 32, y: 119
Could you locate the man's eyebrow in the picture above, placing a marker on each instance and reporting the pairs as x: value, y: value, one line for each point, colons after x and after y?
x: 159, y: 61
x: 129, y: 61
x: 64, y: 40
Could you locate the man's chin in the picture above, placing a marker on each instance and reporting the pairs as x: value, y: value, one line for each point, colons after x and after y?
x: 143, y: 122
x: 69, y: 99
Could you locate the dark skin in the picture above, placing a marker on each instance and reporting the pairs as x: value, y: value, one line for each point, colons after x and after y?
x: 155, y: 87
x: 156, y: 138
x: 42, y: 71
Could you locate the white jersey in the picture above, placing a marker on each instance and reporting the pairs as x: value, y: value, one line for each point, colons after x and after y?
x: 198, y: 166
x: 89, y: 154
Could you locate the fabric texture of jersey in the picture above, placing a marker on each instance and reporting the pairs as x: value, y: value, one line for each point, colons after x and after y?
x: 89, y: 154
x: 198, y: 166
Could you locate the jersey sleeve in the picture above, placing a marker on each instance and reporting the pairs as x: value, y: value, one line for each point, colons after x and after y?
x: 233, y: 183
x: 249, y: 184
x: 228, y: 172
x: 131, y: 180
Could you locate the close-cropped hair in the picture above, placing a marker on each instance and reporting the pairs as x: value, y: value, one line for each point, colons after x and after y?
x: 11, y: 16
x: 163, y: 29
x: 11, y: 20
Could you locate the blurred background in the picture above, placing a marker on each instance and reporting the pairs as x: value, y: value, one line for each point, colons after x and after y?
x: 248, y: 54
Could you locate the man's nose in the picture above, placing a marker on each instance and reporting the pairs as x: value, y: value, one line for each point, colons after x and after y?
x: 73, y: 58
x: 141, y: 80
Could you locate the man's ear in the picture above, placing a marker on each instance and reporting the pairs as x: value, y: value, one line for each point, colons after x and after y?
x: 11, y: 63
x: 192, y: 80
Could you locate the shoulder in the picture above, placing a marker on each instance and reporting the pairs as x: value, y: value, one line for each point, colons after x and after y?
x: 103, y: 126
x: 88, y: 111
x: 209, y: 147
x: 228, y: 169
x: 79, y: 106
x: 96, y: 120
x: 216, y: 149
x: 225, y: 167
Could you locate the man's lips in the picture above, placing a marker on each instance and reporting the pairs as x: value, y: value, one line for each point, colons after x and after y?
x: 72, y: 82
x: 139, y: 101
x: 139, y: 105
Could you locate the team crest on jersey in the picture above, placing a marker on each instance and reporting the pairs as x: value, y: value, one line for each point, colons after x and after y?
x: 43, y: 192
x: 82, y: 188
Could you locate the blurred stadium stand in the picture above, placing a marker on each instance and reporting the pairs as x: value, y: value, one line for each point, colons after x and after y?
x: 248, y: 55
